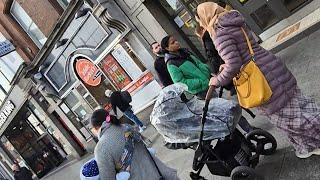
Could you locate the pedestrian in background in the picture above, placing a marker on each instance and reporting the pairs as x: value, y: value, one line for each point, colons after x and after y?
x: 160, y: 65
x: 21, y: 173
x: 186, y: 68
x: 122, y: 100
x: 288, y: 109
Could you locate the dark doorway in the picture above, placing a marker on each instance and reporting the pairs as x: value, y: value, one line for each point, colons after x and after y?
x: 31, y: 141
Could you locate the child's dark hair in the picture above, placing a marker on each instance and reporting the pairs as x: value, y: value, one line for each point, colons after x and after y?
x: 100, y: 115
x: 165, y: 42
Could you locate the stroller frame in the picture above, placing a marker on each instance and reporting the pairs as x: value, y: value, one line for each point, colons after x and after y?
x: 205, y: 153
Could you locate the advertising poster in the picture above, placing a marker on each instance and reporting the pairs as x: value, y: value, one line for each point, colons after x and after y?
x: 115, y: 72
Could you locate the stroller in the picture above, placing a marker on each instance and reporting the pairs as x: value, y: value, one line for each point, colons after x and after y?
x: 234, y: 154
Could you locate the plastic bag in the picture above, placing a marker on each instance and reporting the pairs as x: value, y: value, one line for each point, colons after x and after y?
x: 179, y: 122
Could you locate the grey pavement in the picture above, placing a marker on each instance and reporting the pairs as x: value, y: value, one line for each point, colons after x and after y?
x: 303, y: 59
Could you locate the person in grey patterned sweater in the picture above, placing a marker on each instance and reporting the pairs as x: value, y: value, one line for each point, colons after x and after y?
x: 110, y: 147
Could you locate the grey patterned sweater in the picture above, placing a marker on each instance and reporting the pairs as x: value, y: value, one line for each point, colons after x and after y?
x: 110, y: 148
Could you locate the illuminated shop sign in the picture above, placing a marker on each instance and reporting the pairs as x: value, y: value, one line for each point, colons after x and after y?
x: 6, y: 111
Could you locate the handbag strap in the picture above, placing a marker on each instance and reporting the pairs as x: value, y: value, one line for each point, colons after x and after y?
x: 248, y: 43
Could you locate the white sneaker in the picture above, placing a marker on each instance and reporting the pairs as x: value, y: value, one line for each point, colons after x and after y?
x: 306, y: 155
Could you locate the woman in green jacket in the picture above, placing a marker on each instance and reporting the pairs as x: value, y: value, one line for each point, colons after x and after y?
x: 185, y: 68
x: 188, y: 69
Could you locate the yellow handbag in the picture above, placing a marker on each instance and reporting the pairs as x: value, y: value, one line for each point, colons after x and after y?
x: 252, y: 87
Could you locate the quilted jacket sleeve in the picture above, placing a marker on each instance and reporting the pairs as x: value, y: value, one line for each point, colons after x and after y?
x: 228, y: 50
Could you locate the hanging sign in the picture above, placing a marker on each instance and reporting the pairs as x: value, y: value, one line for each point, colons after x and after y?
x: 140, y: 83
x: 6, y: 47
x: 88, y: 72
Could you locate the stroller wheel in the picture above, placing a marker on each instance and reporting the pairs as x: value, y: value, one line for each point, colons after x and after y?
x: 195, y: 176
x: 245, y: 173
x: 265, y: 143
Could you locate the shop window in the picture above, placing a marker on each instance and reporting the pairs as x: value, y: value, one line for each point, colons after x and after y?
x: 56, y: 75
x: 71, y: 99
x: 84, y: 93
x: 27, y: 24
x: 98, y: 91
x: 90, y: 35
x: 128, y: 60
x: 243, y: 1
x: 39, y: 115
x: 264, y: 17
x: 3, y: 95
x: 175, y: 4
x: 183, y: 17
x: 9, y: 65
x: 81, y: 112
x: 64, y: 3
x: 292, y: 5
x: 36, y: 124
x: 4, y: 82
x: 115, y: 72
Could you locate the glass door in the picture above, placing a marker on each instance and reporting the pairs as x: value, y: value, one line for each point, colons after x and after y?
x: 293, y: 5
x: 78, y: 105
x: 182, y: 13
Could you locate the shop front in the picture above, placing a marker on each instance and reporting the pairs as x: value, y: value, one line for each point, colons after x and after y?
x: 261, y: 15
x: 101, y: 52
x: 27, y: 137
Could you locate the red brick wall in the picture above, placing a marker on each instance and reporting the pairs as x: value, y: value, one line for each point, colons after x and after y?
x: 42, y: 13
x: 12, y: 31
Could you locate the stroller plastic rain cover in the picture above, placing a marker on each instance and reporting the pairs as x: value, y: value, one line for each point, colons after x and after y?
x: 180, y: 122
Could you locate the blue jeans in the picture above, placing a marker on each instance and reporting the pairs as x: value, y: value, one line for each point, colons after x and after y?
x: 129, y: 114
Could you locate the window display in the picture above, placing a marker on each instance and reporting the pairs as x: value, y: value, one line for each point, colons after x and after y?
x: 115, y: 72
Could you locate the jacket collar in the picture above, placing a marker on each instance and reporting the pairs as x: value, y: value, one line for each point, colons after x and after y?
x: 182, y: 55
x: 103, y: 128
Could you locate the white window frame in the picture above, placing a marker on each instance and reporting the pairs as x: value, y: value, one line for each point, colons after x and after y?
x: 39, y: 39
x: 86, y: 18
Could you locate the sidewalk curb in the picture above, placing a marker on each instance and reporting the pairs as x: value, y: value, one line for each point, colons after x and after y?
x: 296, y: 38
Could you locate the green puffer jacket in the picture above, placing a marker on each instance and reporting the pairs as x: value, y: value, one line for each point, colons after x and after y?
x: 188, y: 69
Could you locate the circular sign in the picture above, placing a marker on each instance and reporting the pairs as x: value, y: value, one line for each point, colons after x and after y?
x: 88, y: 72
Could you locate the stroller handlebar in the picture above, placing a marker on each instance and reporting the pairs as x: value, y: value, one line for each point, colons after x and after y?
x: 209, y: 93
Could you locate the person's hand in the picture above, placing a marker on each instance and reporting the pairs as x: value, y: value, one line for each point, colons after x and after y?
x: 212, y: 82
x: 124, y: 175
x: 221, y: 67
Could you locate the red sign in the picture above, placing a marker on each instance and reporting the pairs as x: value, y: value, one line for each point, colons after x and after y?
x: 142, y: 81
x: 115, y: 72
x: 108, y: 107
x: 88, y: 72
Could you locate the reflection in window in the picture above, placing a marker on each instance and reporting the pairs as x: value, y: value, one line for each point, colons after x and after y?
x: 64, y: 3
x: 81, y: 112
x: 294, y: 4
x: 71, y: 100
x: 175, y: 4
x: 56, y: 74
x: 264, y: 17
x: 89, y: 34
x: 36, y: 124
x: 27, y: 24
x: 243, y: 1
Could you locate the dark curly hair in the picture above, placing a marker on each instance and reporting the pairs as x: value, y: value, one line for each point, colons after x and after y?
x: 100, y: 115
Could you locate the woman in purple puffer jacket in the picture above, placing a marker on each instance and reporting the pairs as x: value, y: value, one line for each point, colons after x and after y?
x: 288, y: 109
